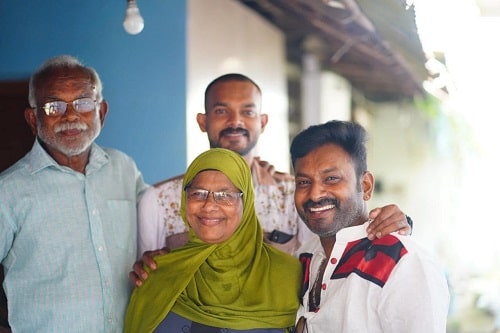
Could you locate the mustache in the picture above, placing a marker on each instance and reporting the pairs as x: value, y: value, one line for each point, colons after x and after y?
x: 70, y: 126
x: 231, y: 130
x: 322, y: 202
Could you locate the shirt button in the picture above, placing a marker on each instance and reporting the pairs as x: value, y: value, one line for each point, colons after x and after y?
x: 100, y: 248
x: 323, y: 286
x: 333, y: 260
x: 94, y: 211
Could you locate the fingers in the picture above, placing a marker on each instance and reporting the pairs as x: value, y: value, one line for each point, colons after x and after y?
x: 405, y: 231
x: 269, y: 167
x: 147, y: 260
x: 148, y: 257
x: 139, y: 274
x: 387, y: 227
x: 386, y: 220
x: 136, y: 280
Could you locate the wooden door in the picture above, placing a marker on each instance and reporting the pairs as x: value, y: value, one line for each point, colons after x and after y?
x: 16, y: 140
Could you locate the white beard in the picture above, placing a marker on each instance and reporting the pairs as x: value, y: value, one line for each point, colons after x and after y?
x: 75, y: 147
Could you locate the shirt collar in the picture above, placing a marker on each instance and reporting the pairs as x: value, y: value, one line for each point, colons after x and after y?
x: 39, y: 159
x: 343, y: 236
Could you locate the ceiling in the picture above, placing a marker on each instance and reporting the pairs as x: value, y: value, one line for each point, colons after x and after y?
x: 372, y: 43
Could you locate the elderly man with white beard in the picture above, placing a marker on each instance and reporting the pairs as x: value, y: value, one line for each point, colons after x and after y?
x: 352, y: 283
x: 68, y: 218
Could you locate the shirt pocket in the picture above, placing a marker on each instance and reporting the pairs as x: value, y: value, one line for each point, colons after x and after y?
x: 122, y: 215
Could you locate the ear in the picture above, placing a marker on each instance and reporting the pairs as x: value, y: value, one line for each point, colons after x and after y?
x: 367, y: 184
x: 103, y: 110
x: 201, y: 118
x: 263, y: 121
x: 30, y: 117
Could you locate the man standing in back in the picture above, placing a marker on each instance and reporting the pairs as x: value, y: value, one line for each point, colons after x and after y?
x: 233, y: 120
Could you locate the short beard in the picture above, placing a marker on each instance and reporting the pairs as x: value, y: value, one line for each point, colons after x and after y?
x: 242, y: 151
x: 88, y: 136
x: 344, y: 216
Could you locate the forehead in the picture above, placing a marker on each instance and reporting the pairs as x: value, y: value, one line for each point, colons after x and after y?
x: 212, y: 180
x: 241, y: 90
x: 324, y: 159
x: 64, y: 81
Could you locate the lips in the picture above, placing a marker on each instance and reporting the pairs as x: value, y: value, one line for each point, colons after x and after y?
x: 321, y: 208
x: 71, y: 132
x: 231, y: 132
x: 70, y: 129
x: 210, y: 221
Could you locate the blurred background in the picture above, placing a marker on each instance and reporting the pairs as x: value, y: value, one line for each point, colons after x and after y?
x: 420, y: 75
x: 463, y: 31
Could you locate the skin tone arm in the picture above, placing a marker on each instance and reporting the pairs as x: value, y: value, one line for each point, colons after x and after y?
x: 138, y: 274
x: 385, y: 220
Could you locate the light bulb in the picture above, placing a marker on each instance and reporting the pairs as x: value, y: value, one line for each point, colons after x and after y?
x: 133, y: 22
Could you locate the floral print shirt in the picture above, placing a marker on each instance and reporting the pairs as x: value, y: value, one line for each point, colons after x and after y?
x: 160, y: 221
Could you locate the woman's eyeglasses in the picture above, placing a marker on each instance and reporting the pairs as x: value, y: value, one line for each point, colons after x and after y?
x: 221, y: 197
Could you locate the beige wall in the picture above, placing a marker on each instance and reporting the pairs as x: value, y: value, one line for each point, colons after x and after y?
x: 225, y: 36
x: 414, y: 172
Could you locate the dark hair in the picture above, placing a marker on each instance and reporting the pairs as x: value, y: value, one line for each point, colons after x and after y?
x: 227, y: 78
x: 348, y: 135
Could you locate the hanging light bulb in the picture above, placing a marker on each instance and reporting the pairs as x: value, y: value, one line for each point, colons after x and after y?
x: 133, y: 22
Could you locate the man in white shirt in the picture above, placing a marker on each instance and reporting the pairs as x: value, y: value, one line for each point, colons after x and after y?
x: 352, y: 283
x: 233, y: 120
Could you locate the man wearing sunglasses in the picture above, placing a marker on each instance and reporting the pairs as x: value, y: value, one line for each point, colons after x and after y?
x: 68, y: 218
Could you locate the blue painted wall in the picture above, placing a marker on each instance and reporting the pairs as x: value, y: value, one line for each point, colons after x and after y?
x: 144, y: 76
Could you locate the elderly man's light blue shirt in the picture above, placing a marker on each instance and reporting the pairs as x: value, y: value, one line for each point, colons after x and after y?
x: 68, y: 241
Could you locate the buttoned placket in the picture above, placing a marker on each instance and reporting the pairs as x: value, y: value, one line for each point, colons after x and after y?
x: 326, y: 271
x: 101, y: 253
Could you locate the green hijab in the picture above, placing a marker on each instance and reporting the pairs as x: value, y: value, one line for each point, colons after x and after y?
x: 241, y: 283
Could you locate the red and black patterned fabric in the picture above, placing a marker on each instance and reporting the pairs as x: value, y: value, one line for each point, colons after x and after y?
x: 305, y: 260
x: 371, y: 260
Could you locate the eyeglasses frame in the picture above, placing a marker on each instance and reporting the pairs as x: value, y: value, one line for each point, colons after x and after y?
x: 45, y: 107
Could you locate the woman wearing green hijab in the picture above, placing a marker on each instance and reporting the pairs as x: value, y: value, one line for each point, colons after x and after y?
x: 225, y: 278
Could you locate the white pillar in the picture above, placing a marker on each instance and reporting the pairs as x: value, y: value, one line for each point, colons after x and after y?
x: 311, y: 90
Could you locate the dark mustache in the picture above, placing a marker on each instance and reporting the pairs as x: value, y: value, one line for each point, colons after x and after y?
x: 323, y: 202
x: 231, y: 130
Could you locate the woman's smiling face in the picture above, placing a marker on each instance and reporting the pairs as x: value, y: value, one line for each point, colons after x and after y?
x: 213, y: 222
